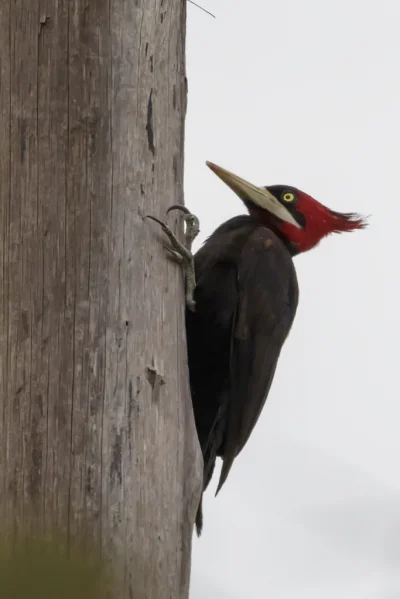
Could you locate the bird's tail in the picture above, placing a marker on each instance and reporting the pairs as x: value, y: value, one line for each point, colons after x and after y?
x: 209, y: 449
x: 199, y: 517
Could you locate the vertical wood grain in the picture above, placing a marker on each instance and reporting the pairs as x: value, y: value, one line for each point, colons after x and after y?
x: 92, y: 109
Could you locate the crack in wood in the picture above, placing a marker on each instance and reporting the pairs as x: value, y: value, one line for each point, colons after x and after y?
x: 149, y: 124
x: 156, y: 380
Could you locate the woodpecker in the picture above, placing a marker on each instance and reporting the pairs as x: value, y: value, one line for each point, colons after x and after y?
x: 241, y: 297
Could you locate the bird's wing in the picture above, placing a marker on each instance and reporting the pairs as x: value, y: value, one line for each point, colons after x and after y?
x: 266, y: 303
x: 208, y: 336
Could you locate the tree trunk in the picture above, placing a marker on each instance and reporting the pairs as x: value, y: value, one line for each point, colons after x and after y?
x: 96, y: 429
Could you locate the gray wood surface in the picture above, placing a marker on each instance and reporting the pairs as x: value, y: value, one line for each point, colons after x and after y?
x: 97, y: 434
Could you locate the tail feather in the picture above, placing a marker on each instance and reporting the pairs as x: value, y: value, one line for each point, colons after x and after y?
x: 210, y: 447
x: 199, y: 517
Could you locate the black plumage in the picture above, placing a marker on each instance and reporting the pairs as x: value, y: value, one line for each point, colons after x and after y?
x: 241, y: 298
x: 246, y: 299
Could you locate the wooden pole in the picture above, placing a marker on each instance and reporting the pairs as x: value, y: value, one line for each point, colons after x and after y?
x: 96, y: 427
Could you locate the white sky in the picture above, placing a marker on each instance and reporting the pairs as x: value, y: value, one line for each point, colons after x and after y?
x: 308, y: 93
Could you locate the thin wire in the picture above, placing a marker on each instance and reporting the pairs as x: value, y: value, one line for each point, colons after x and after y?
x: 201, y: 8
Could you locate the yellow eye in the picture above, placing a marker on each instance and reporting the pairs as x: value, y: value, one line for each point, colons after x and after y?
x: 288, y: 197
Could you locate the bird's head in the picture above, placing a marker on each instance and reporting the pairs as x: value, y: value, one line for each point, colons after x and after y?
x: 295, y: 216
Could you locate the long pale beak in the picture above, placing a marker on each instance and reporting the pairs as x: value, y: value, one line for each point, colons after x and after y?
x: 260, y: 196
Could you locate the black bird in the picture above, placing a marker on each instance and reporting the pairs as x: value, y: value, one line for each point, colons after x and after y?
x: 243, y: 306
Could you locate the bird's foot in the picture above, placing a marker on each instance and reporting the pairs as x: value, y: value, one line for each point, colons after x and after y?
x: 182, y: 252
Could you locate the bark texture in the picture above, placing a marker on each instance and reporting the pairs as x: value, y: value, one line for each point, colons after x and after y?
x: 97, y: 435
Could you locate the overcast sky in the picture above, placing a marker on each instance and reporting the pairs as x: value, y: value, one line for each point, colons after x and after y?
x: 307, y: 93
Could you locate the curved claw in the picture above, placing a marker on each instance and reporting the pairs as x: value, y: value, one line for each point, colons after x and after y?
x: 192, y: 223
x: 181, y: 252
x: 176, y: 245
x: 179, y: 207
x: 155, y: 219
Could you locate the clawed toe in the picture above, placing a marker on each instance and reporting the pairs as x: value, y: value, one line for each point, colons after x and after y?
x: 182, y: 253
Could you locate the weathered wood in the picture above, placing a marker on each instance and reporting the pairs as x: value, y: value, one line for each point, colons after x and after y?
x: 97, y: 431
